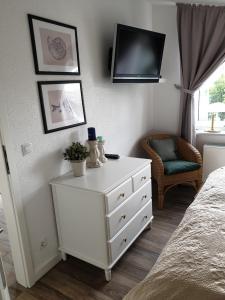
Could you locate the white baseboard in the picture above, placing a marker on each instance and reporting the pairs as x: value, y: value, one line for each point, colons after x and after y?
x: 44, y: 268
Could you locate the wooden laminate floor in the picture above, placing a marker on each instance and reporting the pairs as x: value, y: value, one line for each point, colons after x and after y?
x: 77, y: 280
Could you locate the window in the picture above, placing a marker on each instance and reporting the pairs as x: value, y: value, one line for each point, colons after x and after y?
x: 211, y: 92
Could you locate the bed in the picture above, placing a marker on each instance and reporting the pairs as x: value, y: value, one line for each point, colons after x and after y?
x: 192, y: 265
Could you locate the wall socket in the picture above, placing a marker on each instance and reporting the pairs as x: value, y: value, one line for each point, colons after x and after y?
x: 44, y: 243
x: 27, y: 148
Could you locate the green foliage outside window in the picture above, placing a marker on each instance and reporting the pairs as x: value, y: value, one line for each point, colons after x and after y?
x: 217, y: 94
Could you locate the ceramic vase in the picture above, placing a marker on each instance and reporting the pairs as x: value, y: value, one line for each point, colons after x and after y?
x: 101, y: 149
x: 78, y: 167
x: 93, y: 159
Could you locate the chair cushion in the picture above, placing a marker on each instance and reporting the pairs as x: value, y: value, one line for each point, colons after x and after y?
x: 165, y: 148
x: 179, y: 166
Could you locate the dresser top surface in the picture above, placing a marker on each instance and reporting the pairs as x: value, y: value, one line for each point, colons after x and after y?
x: 106, y: 178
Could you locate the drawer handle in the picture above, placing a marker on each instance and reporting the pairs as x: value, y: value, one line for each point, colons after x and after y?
x: 143, y: 178
x: 123, y: 217
x: 145, y: 217
x: 144, y: 197
x: 125, y: 240
x: 122, y: 195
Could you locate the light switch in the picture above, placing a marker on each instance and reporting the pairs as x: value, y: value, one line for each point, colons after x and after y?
x: 27, y: 148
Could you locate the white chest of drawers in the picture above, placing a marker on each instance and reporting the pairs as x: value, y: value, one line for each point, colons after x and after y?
x: 101, y: 214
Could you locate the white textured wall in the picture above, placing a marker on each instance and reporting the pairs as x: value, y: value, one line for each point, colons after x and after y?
x: 121, y: 113
x: 166, y: 97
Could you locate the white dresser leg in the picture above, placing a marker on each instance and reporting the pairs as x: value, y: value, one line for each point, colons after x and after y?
x: 149, y: 226
x: 63, y: 255
x: 108, y: 275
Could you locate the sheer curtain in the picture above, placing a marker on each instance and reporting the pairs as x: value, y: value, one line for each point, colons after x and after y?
x: 201, y: 34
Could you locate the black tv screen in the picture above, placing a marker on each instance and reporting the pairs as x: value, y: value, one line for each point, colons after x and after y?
x: 137, y: 54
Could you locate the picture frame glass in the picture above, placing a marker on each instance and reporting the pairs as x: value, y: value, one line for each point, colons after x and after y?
x: 62, y: 105
x: 55, y: 47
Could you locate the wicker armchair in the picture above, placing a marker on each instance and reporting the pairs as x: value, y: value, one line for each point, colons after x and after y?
x: 165, y: 182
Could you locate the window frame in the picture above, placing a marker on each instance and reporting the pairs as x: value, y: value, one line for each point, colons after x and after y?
x: 203, y: 123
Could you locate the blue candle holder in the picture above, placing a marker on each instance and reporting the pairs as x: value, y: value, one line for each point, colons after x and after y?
x: 91, y: 134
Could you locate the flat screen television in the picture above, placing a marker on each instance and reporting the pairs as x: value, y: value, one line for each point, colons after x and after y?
x: 136, y: 54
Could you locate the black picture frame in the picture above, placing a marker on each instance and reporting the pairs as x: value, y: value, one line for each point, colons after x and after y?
x: 34, y: 46
x: 40, y: 84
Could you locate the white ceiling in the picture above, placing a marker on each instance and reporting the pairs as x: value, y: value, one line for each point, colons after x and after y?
x: 211, y: 2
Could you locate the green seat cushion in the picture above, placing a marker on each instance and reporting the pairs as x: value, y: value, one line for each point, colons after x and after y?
x: 165, y: 148
x: 179, y: 166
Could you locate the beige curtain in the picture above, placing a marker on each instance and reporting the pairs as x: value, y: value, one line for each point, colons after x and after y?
x: 201, y: 34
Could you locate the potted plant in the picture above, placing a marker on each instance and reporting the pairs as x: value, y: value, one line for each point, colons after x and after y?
x: 77, y: 154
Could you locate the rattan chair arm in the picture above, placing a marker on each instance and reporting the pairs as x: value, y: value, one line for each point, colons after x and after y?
x: 157, y: 164
x: 189, y: 152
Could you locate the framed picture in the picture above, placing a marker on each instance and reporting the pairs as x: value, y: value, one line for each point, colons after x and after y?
x: 62, y: 104
x: 55, y: 47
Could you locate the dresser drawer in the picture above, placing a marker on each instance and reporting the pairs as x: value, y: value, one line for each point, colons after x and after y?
x: 124, y: 239
x: 141, y: 178
x: 119, y: 218
x: 118, y: 195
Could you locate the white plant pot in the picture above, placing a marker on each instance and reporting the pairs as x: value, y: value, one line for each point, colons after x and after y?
x: 78, y: 167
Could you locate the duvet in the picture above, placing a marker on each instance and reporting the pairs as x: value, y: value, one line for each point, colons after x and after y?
x: 192, y: 265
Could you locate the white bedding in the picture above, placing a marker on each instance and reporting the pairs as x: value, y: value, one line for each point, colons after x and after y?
x: 192, y: 265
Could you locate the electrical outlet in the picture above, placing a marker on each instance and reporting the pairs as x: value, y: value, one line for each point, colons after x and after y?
x: 27, y: 148
x: 44, y: 243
